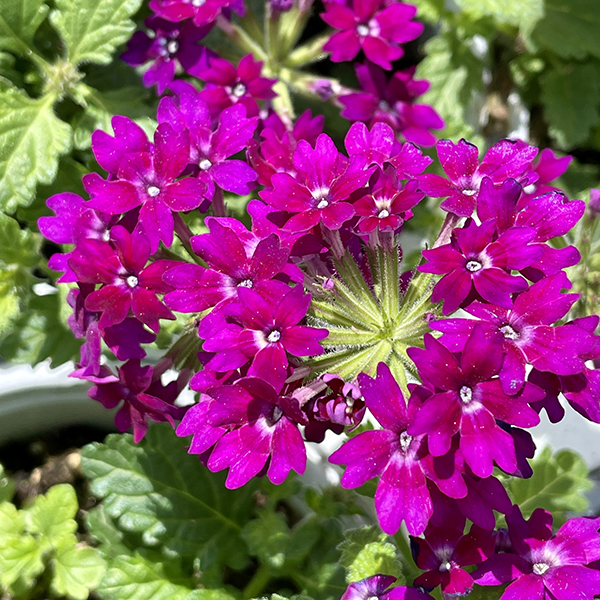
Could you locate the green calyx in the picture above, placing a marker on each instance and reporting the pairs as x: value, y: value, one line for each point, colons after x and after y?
x: 374, y: 323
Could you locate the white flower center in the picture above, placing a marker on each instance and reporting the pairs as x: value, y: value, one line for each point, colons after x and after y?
x: 349, y: 405
x: 132, y: 281
x: 540, y: 568
x: 197, y: 3
x: 173, y: 46
x: 383, y: 213
x: 274, y: 336
x: 239, y: 90
x: 509, y: 332
x: 466, y: 394
x: 469, y: 192
x: 247, y: 283
x: 405, y: 441
x: 205, y: 164
x: 445, y: 566
x: 362, y: 30
x: 473, y: 265
x: 153, y: 191
x: 322, y: 204
x: 529, y: 189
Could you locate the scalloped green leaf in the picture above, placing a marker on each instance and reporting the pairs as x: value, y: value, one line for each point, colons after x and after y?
x: 20, y: 559
x: 570, y: 29
x: 53, y: 515
x: 558, y: 484
x: 19, y: 20
x: 76, y: 571
x: 137, y: 578
x: 571, y: 99
x: 168, y: 497
x: 268, y: 537
x: 11, y: 519
x: 366, y: 552
x: 92, y: 29
x: 32, y: 138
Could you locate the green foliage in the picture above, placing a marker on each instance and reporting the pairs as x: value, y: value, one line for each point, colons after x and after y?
x: 571, y: 98
x: 570, y: 29
x: 92, y: 29
x: 7, y: 488
x: 41, y: 540
x: 366, y: 552
x: 455, y: 74
x: 558, y: 484
x: 19, y: 20
x: 32, y: 138
x: 523, y: 14
x: 158, y: 491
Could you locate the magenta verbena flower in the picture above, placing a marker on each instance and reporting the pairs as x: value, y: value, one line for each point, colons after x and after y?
x: 264, y: 433
x: 542, y: 566
x: 402, y: 461
x: 373, y: 26
x: 227, y: 85
x: 202, y: 12
x: 475, y: 259
x: 467, y: 398
x: 129, y: 284
x: 393, y: 102
x: 149, y: 180
x: 528, y: 331
x: 210, y: 151
x: 505, y: 159
x: 321, y: 188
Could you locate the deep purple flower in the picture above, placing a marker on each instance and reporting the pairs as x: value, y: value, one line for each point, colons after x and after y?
x: 128, y: 283
x: 322, y: 187
x: 227, y: 85
x: 149, y: 180
x: 372, y: 26
x: 473, y: 260
x: 402, y: 460
x: 468, y: 399
x: 142, y: 398
x: 443, y: 554
x: 542, y: 566
x: 392, y: 102
x: 377, y: 587
x: 505, y: 159
x: 169, y: 45
x: 265, y: 432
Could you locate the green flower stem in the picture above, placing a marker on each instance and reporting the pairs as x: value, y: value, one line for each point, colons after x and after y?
x: 404, y: 547
x: 257, y: 584
x: 386, y: 264
x: 272, y: 37
x: 292, y: 24
x: 308, y: 53
x: 241, y: 39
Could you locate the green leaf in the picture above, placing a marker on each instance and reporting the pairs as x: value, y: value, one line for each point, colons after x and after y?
x: 76, y: 572
x: 19, y: 20
x: 92, y: 29
x: 17, y: 246
x: 520, y: 13
x: 7, y: 487
x: 570, y: 29
x: 159, y: 491
x: 32, y: 138
x: 53, y: 515
x: 103, y: 529
x: 267, y: 537
x: 571, y: 99
x: 454, y: 73
x: 558, y: 484
x: 366, y: 552
x: 40, y: 332
x: 20, y: 559
x: 11, y: 519
x: 136, y: 578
